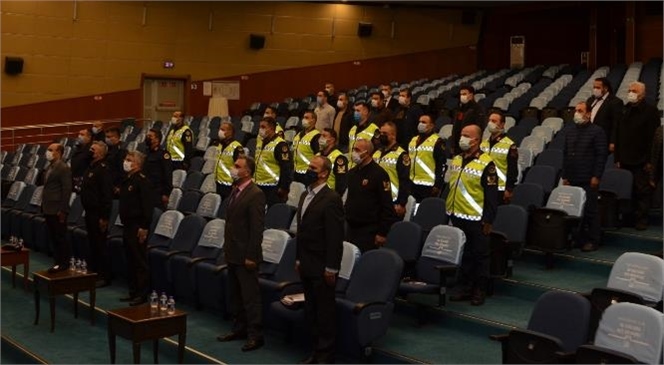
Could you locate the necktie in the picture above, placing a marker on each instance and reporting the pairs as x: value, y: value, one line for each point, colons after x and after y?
x: 234, y: 194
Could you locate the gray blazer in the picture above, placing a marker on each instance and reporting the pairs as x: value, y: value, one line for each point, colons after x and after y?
x: 57, y: 188
x: 243, y: 236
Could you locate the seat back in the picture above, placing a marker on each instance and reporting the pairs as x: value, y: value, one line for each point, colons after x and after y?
x: 285, y: 270
x: 178, y: 178
x: 512, y: 221
x: 193, y: 181
x: 555, y: 123
x: 31, y: 176
x: 188, y: 233
x: 632, y: 329
x: 174, y: 199
x: 410, y: 206
x: 351, y: 254
x: 279, y: 216
x: 545, y: 176
x: 208, y: 205
x: 640, y: 274
x: 36, y: 198
x: 274, y: 246
x: 551, y: 157
x: 528, y: 196
x: 189, y: 202
x: 168, y: 224
x: 430, y: 213
x: 618, y: 181
x: 445, y: 243
x: 209, y: 184
x: 296, y: 190
x: 406, y: 239
x: 542, y: 132
x: 533, y: 143
x: 562, y: 315
x: 209, y: 167
x: 24, y: 198
x: 570, y: 199
x: 14, y: 193
x: 196, y: 164
x: 211, y: 153
x: 375, y: 277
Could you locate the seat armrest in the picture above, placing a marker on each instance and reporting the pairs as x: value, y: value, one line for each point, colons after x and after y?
x: 173, y: 253
x: 446, y: 268
x: 288, y: 284
x: 220, y: 268
x: 566, y: 357
x: 195, y: 261
x: 359, y: 307
x: 500, y: 338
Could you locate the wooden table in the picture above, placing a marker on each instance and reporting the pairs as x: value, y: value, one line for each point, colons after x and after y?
x: 142, y: 323
x: 60, y: 283
x: 13, y: 258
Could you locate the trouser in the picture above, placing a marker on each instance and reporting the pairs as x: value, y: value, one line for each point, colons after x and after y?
x: 362, y: 235
x: 245, y: 301
x: 271, y: 196
x: 641, y: 192
x: 137, y: 263
x: 475, y: 262
x: 57, y: 233
x: 419, y: 192
x: 589, y: 231
x: 501, y: 197
x: 224, y: 191
x: 320, y: 313
x: 98, y: 259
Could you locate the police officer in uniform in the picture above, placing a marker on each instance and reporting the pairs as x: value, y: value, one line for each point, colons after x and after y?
x: 471, y: 205
x: 305, y: 145
x: 229, y: 150
x: 505, y: 155
x: 97, y: 198
x: 179, y: 142
x: 369, y: 209
x: 427, y: 156
x: 158, y: 168
x: 273, y: 164
x: 328, y: 144
x: 396, y: 162
x: 364, y: 129
x: 114, y: 158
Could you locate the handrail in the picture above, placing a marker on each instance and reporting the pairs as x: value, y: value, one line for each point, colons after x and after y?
x: 67, y: 124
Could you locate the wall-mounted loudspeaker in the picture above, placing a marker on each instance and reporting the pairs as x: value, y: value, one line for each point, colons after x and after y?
x: 13, y: 65
x: 364, y: 29
x: 256, y: 41
x: 468, y: 17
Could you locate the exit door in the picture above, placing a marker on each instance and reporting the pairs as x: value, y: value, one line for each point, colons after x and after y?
x: 162, y: 97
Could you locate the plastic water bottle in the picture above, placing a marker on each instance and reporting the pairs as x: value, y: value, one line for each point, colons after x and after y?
x: 163, y: 301
x: 171, y: 305
x: 78, y: 265
x: 12, y: 240
x: 20, y: 243
x: 72, y: 264
x: 84, y: 267
x: 154, y: 300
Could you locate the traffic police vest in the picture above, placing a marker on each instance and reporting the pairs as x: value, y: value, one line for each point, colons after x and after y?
x: 302, y: 151
x: 259, y: 141
x: 267, y: 166
x: 225, y: 162
x: 332, y: 179
x: 423, y: 165
x: 466, y: 197
x: 353, y: 136
x: 174, y: 144
x: 499, y: 153
x: 389, y: 163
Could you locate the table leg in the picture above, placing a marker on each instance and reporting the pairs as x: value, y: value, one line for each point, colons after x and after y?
x: 111, y: 343
x: 93, y: 299
x: 155, y: 350
x: 26, y: 271
x: 76, y: 305
x: 36, y: 303
x: 137, y: 352
x: 182, y: 339
x: 51, y: 303
x: 14, y: 276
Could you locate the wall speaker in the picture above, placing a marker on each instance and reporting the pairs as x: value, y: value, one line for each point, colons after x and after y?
x: 256, y: 41
x: 13, y: 65
x: 364, y: 29
x: 468, y: 17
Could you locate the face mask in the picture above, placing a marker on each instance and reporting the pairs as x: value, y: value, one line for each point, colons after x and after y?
x: 49, y: 156
x: 127, y: 165
x: 597, y: 93
x: 329, y: 91
x: 80, y: 140
x: 357, y: 116
x: 493, y: 127
x: 422, y: 128
x: 319, y: 100
x: 322, y: 142
x: 578, y: 118
x: 235, y: 174
x: 109, y: 142
x: 402, y: 100
x: 174, y: 121
x: 356, y: 157
x: 632, y: 97
x: 464, y: 99
x: 221, y: 134
x: 309, y: 177
x: 383, y: 140
x: 386, y: 93
x: 95, y: 130
x: 374, y: 103
x: 266, y: 115
x: 306, y: 123
x: 262, y: 133
x: 340, y: 104
x: 464, y: 143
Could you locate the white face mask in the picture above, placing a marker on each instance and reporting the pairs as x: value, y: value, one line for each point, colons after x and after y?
x: 262, y: 133
x: 597, y: 92
x: 266, y: 115
x: 578, y: 118
x: 221, y: 134
x: 402, y: 100
x: 422, y: 127
x: 235, y: 174
x: 340, y: 104
x: 49, y: 156
x: 374, y: 103
x: 329, y: 90
x: 319, y: 100
x: 632, y: 97
x: 95, y: 130
x: 493, y: 128
x: 322, y: 142
x: 306, y: 123
x: 386, y: 93
x: 127, y: 165
x: 356, y: 157
x: 464, y: 99
x: 464, y: 143
x: 174, y: 121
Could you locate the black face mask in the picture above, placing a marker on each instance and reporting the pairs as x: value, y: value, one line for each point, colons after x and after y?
x: 309, y: 177
x: 148, y: 142
x: 383, y: 140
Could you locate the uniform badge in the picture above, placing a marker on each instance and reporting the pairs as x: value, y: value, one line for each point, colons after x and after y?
x: 341, y: 169
x: 187, y: 136
x: 386, y: 185
x: 285, y: 156
x: 130, y: 188
x: 339, y: 161
x: 405, y: 160
x: 167, y: 156
x: 492, y: 169
x: 365, y: 182
x: 284, y: 149
x: 491, y: 180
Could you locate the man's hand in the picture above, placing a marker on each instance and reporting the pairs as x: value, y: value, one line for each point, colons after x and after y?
x: 486, y: 228
x: 565, y: 182
x: 249, y: 265
x: 380, y: 240
x: 594, y: 182
x: 507, y: 196
x: 164, y: 200
x: 282, y: 194
x: 612, y: 147
x: 142, y: 235
x: 330, y: 278
x: 116, y: 190
x: 400, y: 210
x: 648, y: 168
x: 103, y: 224
x: 62, y: 217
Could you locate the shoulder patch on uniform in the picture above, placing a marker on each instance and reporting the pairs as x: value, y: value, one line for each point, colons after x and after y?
x: 341, y: 169
x: 386, y: 185
x: 167, y: 156
x: 284, y: 148
x: 405, y: 159
x: 340, y: 161
x: 492, y: 169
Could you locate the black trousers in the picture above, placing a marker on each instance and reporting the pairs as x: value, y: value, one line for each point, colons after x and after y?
x: 362, y: 236
x: 137, y: 262
x: 245, y: 303
x: 589, y: 231
x: 475, y: 262
x: 98, y: 259
x: 320, y: 313
x: 57, y: 233
x: 224, y: 191
x: 641, y: 192
x: 271, y: 196
x: 419, y: 192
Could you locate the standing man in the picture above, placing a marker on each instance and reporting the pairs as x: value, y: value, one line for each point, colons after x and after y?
x: 331, y: 95
x: 324, y: 112
x: 229, y: 151
x: 505, y: 155
x: 606, y: 108
x: 136, y: 208
x: 272, y: 113
x: 80, y: 158
x: 468, y: 113
x: 472, y: 204
x: 396, y: 162
x: 320, y: 227
x: 328, y: 144
x: 98, y: 131
x: 179, y: 142
x: 407, y: 117
x: 343, y: 121
x: 97, y: 198
x: 390, y: 102
x: 158, y: 168
x: 633, y: 143
x: 245, y: 218
x: 363, y: 129
x: 427, y: 157
x: 273, y: 164
x: 115, y: 158
x: 585, y: 155
x: 379, y: 113
x: 305, y: 145
x: 55, y: 205
x: 369, y: 209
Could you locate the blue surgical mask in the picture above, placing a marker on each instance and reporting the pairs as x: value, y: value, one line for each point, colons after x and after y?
x: 357, y: 116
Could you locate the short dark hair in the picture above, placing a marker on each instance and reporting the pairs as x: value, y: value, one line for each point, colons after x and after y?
x: 274, y: 110
x: 468, y: 87
x: 157, y: 133
x: 362, y: 104
x: 605, y: 83
x: 499, y: 113
x: 115, y: 130
x: 332, y: 133
x: 407, y: 91
x: 251, y: 163
x: 270, y: 121
x: 325, y: 93
x: 314, y: 116
x: 380, y: 94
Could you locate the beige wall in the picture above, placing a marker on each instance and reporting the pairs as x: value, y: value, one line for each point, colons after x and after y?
x: 107, y: 46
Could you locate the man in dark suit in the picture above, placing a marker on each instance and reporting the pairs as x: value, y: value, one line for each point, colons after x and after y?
x: 468, y: 113
x: 245, y: 217
x: 343, y: 121
x: 55, y: 205
x: 606, y: 108
x: 319, y: 250
x: 390, y: 102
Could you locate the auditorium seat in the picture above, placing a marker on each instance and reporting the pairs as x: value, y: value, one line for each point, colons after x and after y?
x: 551, y: 157
x: 280, y: 216
x: 405, y: 238
x: 615, y: 196
x: 190, y: 201
x: 208, y: 206
x: 209, y: 167
x: 209, y: 184
x: 174, y: 199
x: 19, y: 219
x: 23, y: 197
x: 508, y: 235
x: 543, y: 132
x: 430, y: 213
x: 543, y: 175
x: 550, y: 226
x: 533, y: 143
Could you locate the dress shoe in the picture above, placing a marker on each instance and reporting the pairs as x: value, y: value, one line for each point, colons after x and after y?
x: 253, y: 344
x: 478, y: 297
x: 232, y: 336
x: 57, y: 268
x: 128, y: 298
x: 460, y: 296
x: 589, y: 247
x: 309, y: 360
x: 138, y: 301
